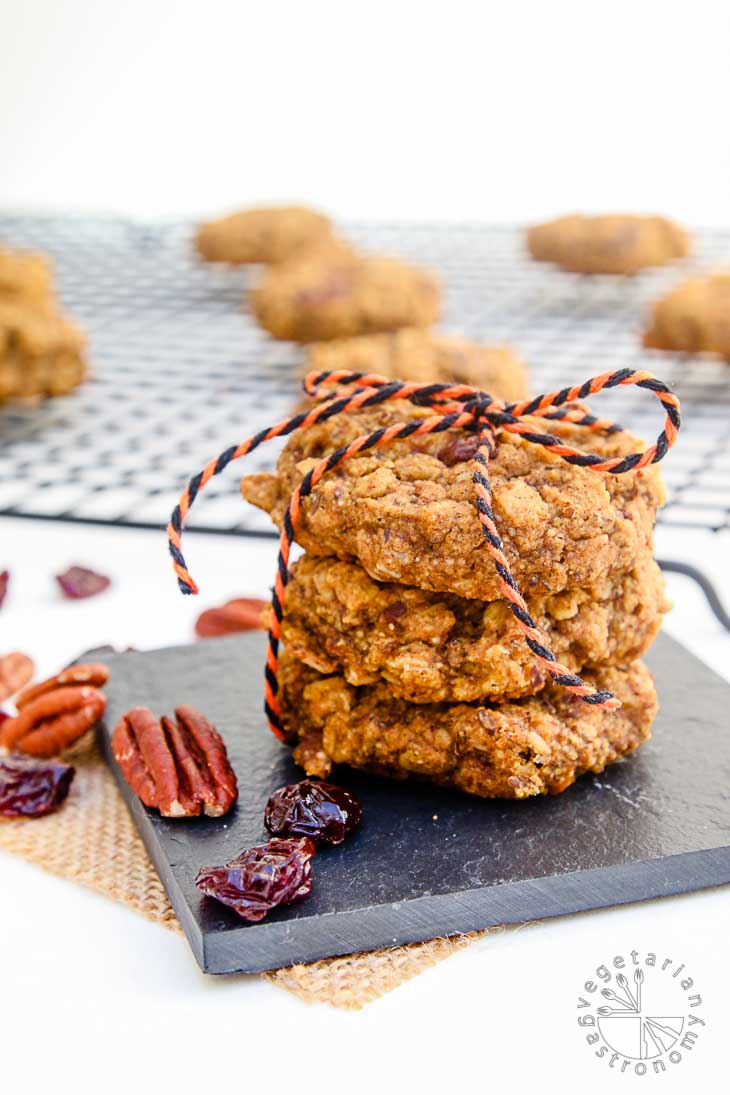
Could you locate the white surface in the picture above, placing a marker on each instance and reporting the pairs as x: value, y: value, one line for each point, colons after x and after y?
x: 458, y: 111
x: 114, y: 998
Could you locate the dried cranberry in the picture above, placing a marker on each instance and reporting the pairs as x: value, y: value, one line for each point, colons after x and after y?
x: 31, y: 788
x: 323, y: 812
x: 4, y: 579
x: 78, y: 582
x: 394, y: 612
x: 259, y: 879
x: 3, y: 716
x: 459, y: 450
x: 336, y: 284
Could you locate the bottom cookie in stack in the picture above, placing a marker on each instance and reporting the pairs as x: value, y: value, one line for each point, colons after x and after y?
x: 514, y: 749
x: 406, y: 682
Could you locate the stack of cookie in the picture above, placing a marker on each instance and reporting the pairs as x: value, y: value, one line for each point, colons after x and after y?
x: 399, y: 655
x: 41, y: 352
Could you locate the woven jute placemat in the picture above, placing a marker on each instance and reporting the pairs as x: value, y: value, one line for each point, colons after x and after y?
x: 92, y: 840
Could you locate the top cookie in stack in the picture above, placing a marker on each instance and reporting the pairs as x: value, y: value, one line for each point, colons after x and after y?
x: 405, y: 512
x: 401, y: 658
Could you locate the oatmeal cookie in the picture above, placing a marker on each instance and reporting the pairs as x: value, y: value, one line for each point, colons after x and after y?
x: 693, y: 317
x: 527, y: 747
x: 41, y: 352
x: 333, y: 292
x: 432, y: 648
x: 416, y: 354
x: 269, y: 234
x: 406, y: 511
x: 24, y: 275
x: 610, y: 244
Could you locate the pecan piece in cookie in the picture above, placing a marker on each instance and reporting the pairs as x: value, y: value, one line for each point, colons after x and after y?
x: 608, y: 244
x: 513, y: 749
x: 693, y: 317
x: 180, y: 768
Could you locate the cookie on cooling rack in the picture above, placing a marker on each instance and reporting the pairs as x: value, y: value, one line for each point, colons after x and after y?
x: 413, y: 353
x: 608, y: 244
x: 434, y: 647
x: 405, y: 511
x: 268, y: 234
x: 24, y: 275
x: 693, y: 317
x: 41, y: 352
x: 538, y: 745
x: 334, y: 292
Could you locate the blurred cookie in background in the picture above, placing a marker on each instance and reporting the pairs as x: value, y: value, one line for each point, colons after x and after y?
x: 41, y: 351
x: 615, y: 243
x: 413, y: 353
x: 24, y: 274
x: 334, y: 292
x: 694, y: 317
x: 267, y: 234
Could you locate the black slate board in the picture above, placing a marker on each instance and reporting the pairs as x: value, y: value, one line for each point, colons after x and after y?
x: 428, y: 862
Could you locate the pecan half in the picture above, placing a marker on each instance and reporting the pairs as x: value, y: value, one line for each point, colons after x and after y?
x: 240, y: 614
x: 16, y: 670
x: 54, y: 720
x: 180, y: 768
x: 89, y: 673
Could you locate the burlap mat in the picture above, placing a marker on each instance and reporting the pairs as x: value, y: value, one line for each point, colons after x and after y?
x: 92, y: 840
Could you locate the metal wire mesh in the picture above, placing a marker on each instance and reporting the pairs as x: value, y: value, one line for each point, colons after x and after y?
x: 181, y: 371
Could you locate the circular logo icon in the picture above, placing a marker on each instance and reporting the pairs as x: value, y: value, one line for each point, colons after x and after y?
x: 640, y: 1012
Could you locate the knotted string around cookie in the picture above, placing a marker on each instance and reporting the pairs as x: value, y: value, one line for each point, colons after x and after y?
x: 456, y: 407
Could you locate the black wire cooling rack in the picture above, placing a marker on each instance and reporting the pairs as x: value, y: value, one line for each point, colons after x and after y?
x: 181, y: 371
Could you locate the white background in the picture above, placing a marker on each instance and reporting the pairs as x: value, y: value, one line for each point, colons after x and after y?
x: 453, y: 110
x: 378, y: 110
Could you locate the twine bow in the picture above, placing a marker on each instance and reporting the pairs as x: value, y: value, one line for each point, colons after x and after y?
x: 457, y: 406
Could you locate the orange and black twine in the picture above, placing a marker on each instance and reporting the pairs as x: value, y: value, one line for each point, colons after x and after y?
x: 458, y: 407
